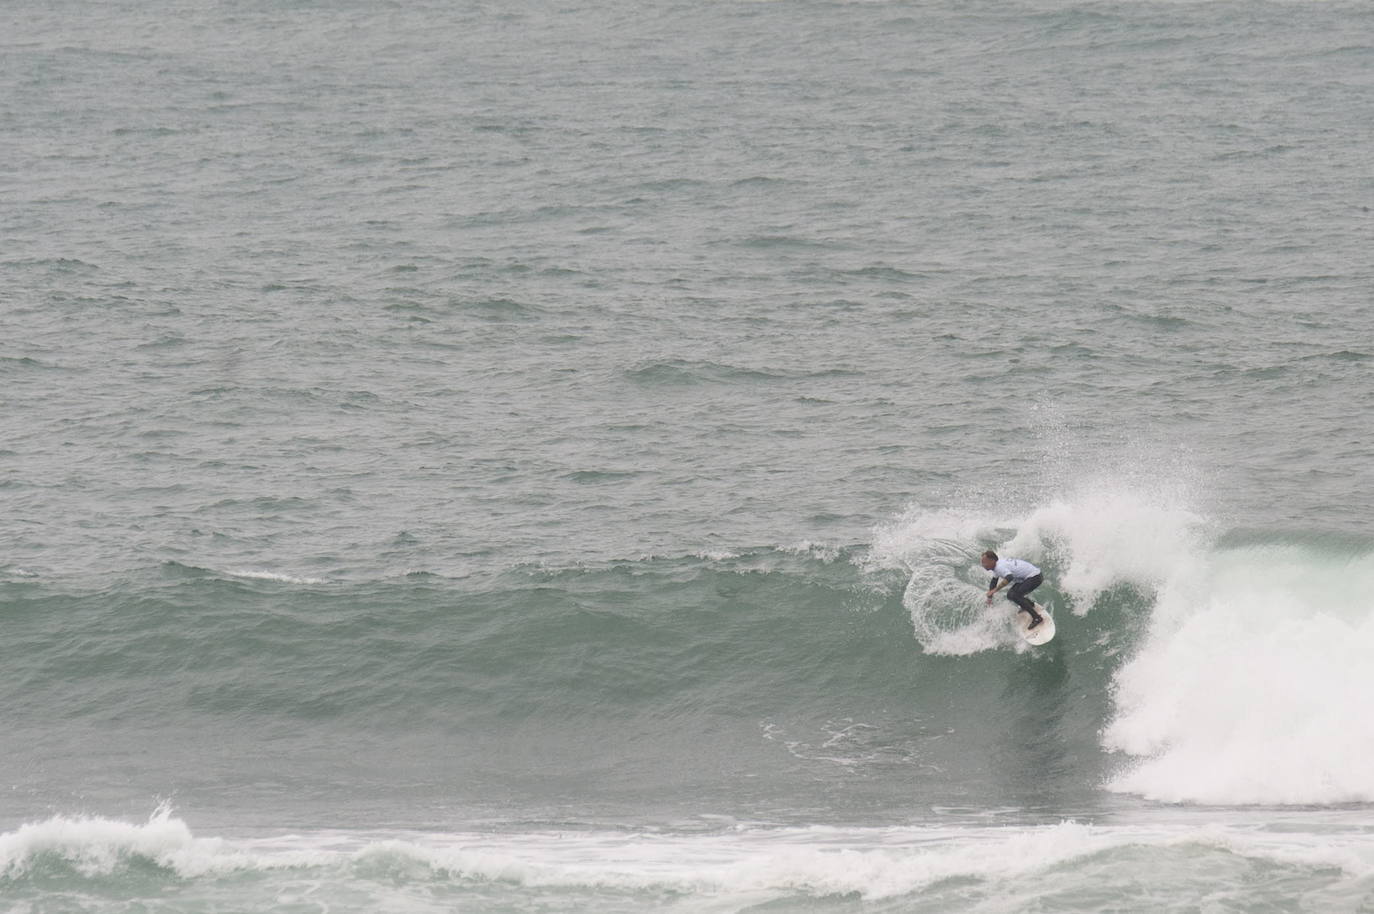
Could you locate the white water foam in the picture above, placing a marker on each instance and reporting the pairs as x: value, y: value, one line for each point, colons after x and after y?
x: 1253, y: 684
x: 745, y: 862
x: 95, y: 846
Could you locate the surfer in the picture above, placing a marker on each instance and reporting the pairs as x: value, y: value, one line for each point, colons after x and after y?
x: 1023, y: 578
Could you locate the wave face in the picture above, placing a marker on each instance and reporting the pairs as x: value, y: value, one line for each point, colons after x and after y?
x: 763, y: 679
x: 1192, y: 666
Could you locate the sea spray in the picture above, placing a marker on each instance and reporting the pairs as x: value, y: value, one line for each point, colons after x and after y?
x: 1088, y: 542
x: 1103, y: 538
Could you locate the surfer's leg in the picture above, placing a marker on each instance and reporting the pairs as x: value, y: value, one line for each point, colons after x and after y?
x: 1017, y: 595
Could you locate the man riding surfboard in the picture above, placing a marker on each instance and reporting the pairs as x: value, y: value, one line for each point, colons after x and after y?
x: 1023, y: 578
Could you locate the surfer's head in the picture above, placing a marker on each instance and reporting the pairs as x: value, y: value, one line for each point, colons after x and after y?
x: 989, y: 560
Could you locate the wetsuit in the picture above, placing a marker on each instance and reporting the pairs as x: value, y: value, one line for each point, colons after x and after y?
x: 1024, y: 578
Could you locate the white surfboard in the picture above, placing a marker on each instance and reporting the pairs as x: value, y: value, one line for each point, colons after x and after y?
x: 1042, y: 633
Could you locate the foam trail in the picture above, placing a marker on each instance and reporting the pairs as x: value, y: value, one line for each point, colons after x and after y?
x: 939, y: 550
x: 1253, y: 683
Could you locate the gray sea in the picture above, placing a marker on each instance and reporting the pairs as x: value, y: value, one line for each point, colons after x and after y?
x: 533, y: 457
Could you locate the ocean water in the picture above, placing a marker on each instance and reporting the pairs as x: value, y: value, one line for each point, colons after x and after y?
x: 533, y: 457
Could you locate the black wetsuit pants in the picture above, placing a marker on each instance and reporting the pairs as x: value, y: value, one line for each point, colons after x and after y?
x: 1018, y: 591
